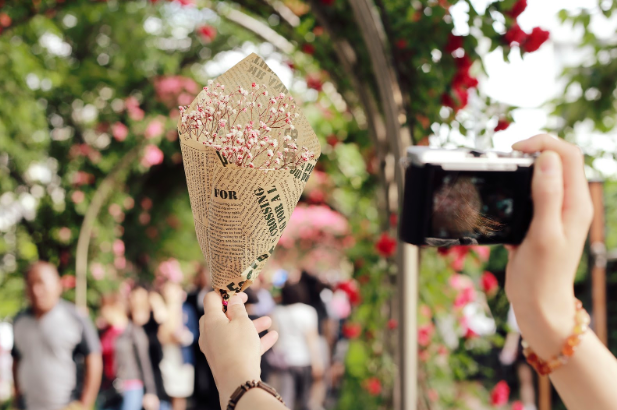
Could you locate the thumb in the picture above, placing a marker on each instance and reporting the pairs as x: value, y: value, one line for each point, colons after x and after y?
x: 236, y: 309
x: 547, y: 194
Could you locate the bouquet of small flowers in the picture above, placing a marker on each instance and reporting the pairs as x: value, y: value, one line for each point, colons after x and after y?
x: 247, y: 156
x: 216, y: 122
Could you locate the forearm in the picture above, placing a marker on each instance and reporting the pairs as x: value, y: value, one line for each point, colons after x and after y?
x: 92, y: 379
x: 586, y: 380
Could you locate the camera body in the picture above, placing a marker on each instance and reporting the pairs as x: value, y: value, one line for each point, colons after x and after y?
x: 465, y: 197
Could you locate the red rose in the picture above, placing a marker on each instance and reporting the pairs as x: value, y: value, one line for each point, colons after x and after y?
x: 489, y: 282
x: 425, y: 333
x: 515, y: 35
x: 518, y: 8
x: 386, y: 246
x: 535, y: 39
x: 373, y: 386
x: 464, y: 297
x: 502, y: 125
x: 207, y: 32
x: 314, y: 82
x: 67, y: 281
x: 332, y: 140
x: 351, y: 330
x: 454, y: 43
x: 483, y: 252
x: 350, y: 287
x: 392, y: 324
x: 328, y: 2
x: 401, y: 43
x: 447, y: 101
x: 5, y: 20
x: 470, y: 334
x: 463, y: 63
x: 308, y: 49
x: 517, y: 405
x: 462, y: 79
x: 393, y: 220
x: 500, y: 394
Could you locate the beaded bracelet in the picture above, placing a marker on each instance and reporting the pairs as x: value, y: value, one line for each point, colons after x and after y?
x: 251, y: 384
x: 581, y: 320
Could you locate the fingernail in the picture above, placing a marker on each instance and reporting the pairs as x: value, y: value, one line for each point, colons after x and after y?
x: 518, y: 145
x: 549, y: 163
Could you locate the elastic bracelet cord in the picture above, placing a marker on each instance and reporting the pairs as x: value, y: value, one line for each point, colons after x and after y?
x: 581, y: 320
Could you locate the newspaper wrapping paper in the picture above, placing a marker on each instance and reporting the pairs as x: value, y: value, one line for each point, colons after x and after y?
x: 240, y: 213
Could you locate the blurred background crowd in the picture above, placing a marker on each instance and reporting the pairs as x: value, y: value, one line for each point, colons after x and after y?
x: 142, y: 350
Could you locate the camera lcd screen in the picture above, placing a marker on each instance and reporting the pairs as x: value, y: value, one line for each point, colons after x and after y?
x: 477, y: 207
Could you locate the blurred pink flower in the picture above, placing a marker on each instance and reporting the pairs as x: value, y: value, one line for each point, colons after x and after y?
x: 152, y: 156
x: 115, y: 210
x: 82, y: 178
x: 78, y: 197
x: 119, y: 131
x: 118, y: 247
x: 120, y: 262
x: 97, y: 270
x: 425, y: 333
x: 483, y: 252
x: 171, y: 270
x: 172, y: 89
x: 64, y: 234
x: 154, y: 129
x: 132, y: 106
x: 67, y: 281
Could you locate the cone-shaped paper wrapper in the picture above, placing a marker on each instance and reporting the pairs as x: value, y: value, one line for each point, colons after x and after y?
x: 240, y: 213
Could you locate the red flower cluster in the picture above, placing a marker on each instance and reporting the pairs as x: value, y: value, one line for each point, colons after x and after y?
x: 208, y: 33
x: 518, y: 8
x: 386, y: 245
x: 454, y: 43
x: 351, y: 330
x: 517, y: 405
x: 313, y: 81
x: 528, y: 42
x: 502, y: 125
x: 461, y: 83
x: 392, y: 324
x: 425, y: 334
x: 308, y: 49
x: 373, y: 386
x: 500, y: 394
x: 352, y: 290
x: 489, y: 283
x: 68, y: 281
x: 401, y: 43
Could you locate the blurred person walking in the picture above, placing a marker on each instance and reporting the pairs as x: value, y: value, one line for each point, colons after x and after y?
x: 126, y: 362
x: 53, y: 341
x: 205, y: 395
x: 177, y: 333
x: 145, y: 308
x: 298, y: 354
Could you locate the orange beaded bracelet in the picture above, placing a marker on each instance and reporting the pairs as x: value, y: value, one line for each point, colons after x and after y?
x: 581, y: 320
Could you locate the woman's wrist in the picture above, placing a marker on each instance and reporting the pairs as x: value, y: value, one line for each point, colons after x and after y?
x: 232, y: 380
x: 546, y: 324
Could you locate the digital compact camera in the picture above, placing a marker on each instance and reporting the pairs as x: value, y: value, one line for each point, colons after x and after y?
x: 465, y: 197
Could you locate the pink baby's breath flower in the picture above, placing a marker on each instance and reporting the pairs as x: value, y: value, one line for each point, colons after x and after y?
x: 241, y: 140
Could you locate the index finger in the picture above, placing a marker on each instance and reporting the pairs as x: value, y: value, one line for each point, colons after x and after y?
x: 577, y: 200
x: 213, y: 306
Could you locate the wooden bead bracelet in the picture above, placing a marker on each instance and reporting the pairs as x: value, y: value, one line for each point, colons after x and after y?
x: 581, y: 320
